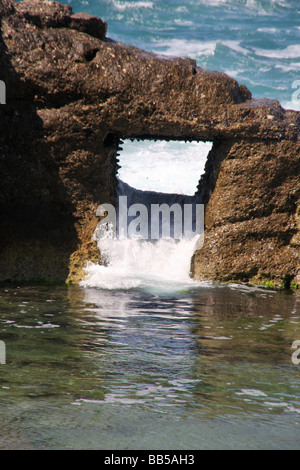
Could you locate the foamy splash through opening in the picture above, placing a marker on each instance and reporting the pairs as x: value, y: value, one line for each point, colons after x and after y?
x: 168, y: 167
x: 162, y: 264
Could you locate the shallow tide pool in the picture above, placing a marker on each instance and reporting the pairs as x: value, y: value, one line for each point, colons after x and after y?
x: 208, y: 367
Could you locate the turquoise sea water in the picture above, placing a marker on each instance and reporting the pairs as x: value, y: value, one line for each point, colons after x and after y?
x: 145, y: 358
x: 254, y: 41
x: 202, y: 368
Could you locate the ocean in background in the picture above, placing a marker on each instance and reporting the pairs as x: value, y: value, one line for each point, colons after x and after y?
x: 257, y: 42
x: 140, y: 356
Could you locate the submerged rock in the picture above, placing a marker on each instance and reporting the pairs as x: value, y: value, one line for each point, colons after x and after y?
x: 73, y: 94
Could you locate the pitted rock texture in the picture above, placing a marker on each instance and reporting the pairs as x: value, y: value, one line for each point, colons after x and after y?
x: 72, y: 96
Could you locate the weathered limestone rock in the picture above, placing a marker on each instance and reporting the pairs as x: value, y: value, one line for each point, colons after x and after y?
x: 89, y: 24
x: 73, y: 95
x: 252, y: 227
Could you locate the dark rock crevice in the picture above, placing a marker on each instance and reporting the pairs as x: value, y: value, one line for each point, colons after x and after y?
x: 37, y: 235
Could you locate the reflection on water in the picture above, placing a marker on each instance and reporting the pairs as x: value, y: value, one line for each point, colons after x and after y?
x: 205, y: 368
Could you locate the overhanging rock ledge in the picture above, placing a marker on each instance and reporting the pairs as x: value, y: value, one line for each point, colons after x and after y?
x: 72, y: 96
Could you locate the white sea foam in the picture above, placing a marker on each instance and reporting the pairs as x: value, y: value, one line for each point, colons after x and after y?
x: 169, y: 167
x: 292, y: 104
x: 292, y: 67
x: 181, y: 9
x: 213, y: 2
x: 164, y: 264
x: 185, y: 47
x: 290, y: 52
x: 256, y: 6
x: 267, y: 30
x: 235, y: 73
x: 264, y: 8
x: 235, y: 46
x: 196, y: 49
x: 181, y: 22
x: 119, y: 5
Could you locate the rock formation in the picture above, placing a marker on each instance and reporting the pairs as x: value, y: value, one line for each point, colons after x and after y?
x: 72, y: 95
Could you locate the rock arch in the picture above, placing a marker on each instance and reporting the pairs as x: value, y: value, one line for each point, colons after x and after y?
x: 73, y: 95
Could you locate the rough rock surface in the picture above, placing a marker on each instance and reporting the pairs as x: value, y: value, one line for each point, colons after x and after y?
x: 73, y: 94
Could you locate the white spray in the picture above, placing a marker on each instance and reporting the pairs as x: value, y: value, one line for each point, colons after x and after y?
x: 129, y: 263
